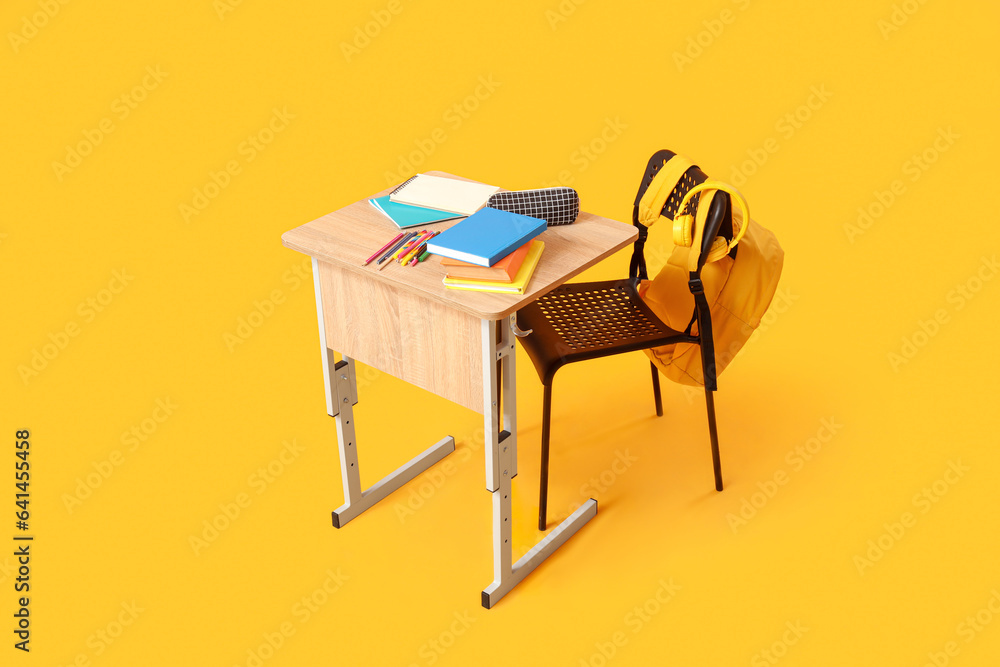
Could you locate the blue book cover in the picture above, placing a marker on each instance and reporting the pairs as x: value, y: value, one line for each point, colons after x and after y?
x: 486, y: 236
x: 405, y: 215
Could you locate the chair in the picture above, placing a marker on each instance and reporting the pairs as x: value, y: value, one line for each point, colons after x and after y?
x: 580, y: 321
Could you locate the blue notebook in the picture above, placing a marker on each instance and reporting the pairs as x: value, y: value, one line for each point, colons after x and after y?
x: 486, y: 236
x: 405, y: 215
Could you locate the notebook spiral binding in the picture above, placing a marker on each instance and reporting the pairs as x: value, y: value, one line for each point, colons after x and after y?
x: 403, y: 185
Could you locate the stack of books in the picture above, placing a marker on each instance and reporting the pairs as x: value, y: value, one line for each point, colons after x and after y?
x: 490, y: 251
x: 511, y: 276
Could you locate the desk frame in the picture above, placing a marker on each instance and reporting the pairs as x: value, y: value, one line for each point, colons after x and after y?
x: 500, y: 427
x: 501, y: 465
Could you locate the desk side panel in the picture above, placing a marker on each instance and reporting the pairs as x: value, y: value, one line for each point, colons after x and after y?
x: 416, y: 339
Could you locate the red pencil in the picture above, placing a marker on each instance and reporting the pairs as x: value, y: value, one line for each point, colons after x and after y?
x: 383, y: 249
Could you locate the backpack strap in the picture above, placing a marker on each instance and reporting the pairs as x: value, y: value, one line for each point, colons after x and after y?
x: 649, y: 206
x: 655, y: 198
x: 707, y: 341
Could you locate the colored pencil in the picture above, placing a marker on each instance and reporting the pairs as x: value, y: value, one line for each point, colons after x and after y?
x: 383, y: 249
x: 406, y: 244
x: 407, y: 252
x: 422, y: 248
x: 422, y: 235
x: 416, y: 252
x: 396, y: 246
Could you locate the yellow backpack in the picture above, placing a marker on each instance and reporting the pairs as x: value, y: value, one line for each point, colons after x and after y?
x: 722, y: 263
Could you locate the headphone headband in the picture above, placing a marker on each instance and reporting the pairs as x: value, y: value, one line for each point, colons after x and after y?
x: 688, y: 230
x: 719, y: 186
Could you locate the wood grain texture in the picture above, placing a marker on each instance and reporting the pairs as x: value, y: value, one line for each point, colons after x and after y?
x: 347, y: 237
x: 420, y: 341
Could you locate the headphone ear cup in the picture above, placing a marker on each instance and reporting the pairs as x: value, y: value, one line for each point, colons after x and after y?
x: 683, y: 226
x: 719, y: 249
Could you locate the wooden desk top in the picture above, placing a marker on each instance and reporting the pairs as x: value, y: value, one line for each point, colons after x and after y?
x: 346, y: 238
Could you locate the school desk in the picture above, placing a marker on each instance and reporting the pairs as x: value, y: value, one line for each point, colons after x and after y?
x: 457, y: 344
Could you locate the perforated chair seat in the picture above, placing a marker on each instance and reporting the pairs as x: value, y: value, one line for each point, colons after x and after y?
x: 580, y: 321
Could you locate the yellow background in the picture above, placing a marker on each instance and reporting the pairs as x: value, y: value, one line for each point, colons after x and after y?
x: 360, y: 111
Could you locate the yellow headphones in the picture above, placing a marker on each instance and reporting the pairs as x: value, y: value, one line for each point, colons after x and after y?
x: 687, y: 229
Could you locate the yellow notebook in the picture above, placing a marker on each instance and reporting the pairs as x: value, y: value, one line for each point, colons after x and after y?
x: 514, y: 287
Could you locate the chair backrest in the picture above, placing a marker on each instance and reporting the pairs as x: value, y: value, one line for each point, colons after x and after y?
x: 718, y: 222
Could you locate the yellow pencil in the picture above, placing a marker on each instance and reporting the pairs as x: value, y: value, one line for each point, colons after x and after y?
x: 407, y: 246
x: 411, y: 248
x: 421, y: 245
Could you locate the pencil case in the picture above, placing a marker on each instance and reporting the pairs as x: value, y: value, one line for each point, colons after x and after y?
x: 556, y: 206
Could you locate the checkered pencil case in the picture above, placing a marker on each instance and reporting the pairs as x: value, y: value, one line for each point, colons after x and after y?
x: 557, y: 206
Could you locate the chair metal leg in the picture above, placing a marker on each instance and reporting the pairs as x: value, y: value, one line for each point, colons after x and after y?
x: 656, y: 389
x: 543, y: 484
x: 713, y: 433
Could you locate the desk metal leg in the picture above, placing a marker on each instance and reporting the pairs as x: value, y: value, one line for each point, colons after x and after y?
x: 341, y: 397
x: 356, y: 500
x: 500, y: 460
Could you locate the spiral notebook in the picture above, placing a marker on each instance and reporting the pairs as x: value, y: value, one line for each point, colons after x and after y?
x: 445, y: 194
x: 405, y: 215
